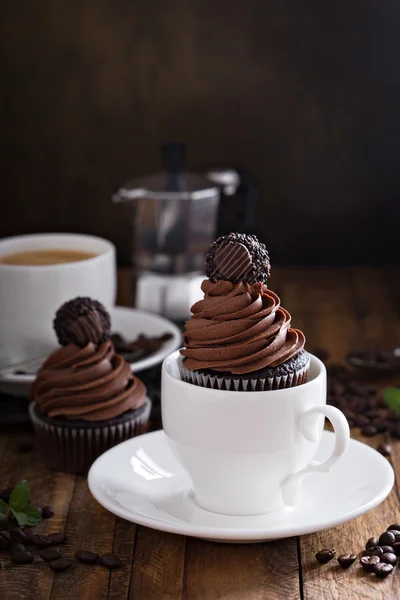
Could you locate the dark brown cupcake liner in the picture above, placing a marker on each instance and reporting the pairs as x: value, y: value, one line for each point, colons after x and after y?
x: 236, y: 383
x: 72, y: 448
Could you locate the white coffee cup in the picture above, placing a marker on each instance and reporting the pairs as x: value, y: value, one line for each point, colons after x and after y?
x: 247, y: 452
x: 30, y: 295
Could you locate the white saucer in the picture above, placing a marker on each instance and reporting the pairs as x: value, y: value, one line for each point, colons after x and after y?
x: 141, y: 481
x: 127, y: 321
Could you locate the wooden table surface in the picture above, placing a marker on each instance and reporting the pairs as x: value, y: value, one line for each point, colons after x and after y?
x: 339, y: 309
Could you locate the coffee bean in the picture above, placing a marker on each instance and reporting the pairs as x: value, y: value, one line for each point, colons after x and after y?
x: 111, y: 561
x: 382, y: 570
x: 369, y: 562
x: 87, y: 557
x: 389, y: 558
x: 47, y: 512
x: 374, y: 551
x: 387, y: 549
x: 372, y: 413
x: 380, y: 425
x: 385, y: 449
x: 62, y: 564
x: 387, y: 539
x: 346, y: 560
x: 4, y: 540
x: 23, y: 557
x: 41, y: 541
x: 57, y: 538
x: 396, y: 548
x: 396, y: 430
x: 369, y: 430
x: 371, y: 543
x: 350, y: 422
x: 17, y: 535
x: 16, y: 547
x: 39, y: 508
x: 5, y: 494
x: 362, y: 421
x: 394, y: 527
x: 49, y: 554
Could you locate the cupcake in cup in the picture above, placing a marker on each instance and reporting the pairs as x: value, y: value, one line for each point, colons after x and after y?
x: 239, y: 337
x: 85, y: 398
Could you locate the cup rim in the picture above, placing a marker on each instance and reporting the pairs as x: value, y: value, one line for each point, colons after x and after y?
x: 175, y: 356
x: 108, y: 249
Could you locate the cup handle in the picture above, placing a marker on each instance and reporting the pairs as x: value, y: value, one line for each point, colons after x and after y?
x: 291, y: 486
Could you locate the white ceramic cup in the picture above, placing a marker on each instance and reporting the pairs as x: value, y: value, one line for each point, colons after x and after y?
x: 30, y: 295
x: 247, y: 452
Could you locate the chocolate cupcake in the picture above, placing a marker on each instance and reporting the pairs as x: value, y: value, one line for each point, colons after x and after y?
x: 85, y: 397
x: 239, y: 337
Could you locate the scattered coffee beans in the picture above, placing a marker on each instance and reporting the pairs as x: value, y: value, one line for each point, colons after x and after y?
x: 16, y: 547
x: 387, y: 549
x: 111, y: 561
x: 394, y: 526
x: 373, y: 551
x: 396, y: 548
x: 23, y: 557
x: 396, y: 534
x: 57, y: 538
x: 387, y: 539
x: 385, y: 449
x: 369, y: 562
x: 371, y: 543
x: 389, y: 558
x: 40, y: 541
x: 49, y: 554
x: 87, y: 557
x: 17, y: 535
x: 4, y: 540
x: 346, y: 560
x: 369, y: 430
x: 47, y: 512
x: 382, y: 569
x: 62, y: 564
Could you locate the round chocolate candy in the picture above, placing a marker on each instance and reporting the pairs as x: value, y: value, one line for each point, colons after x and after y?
x: 238, y: 257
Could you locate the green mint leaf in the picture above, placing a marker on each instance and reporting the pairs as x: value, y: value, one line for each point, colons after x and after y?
x: 21, y: 517
x: 392, y: 398
x: 34, y: 516
x: 3, y: 508
x: 19, y: 496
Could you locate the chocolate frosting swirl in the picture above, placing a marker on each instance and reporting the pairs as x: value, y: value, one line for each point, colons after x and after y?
x: 91, y: 383
x: 239, y: 328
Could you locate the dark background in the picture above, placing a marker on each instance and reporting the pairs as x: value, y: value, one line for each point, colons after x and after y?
x: 304, y: 94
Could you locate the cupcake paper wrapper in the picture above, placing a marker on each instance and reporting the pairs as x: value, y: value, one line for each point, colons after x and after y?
x: 74, y: 449
x: 259, y: 384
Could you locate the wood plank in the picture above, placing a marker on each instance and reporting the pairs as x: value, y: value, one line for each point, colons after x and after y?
x: 124, y: 545
x: 158, y: 566
x: 233, y: 571
x: 54, y: 489
x: 336, y: 325
x: 88, y: 527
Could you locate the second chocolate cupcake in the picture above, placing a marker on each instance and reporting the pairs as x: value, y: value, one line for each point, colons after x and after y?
x: 85, y: 397
x: 239, y: 337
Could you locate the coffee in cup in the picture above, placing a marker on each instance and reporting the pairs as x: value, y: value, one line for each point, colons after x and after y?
x: 50, y: 256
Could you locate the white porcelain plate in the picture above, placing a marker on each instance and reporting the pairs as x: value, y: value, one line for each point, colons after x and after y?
x: 141, y: 481
x: 130, y: 323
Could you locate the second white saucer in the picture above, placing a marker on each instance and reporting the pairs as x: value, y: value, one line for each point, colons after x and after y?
x: 141, y: 481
